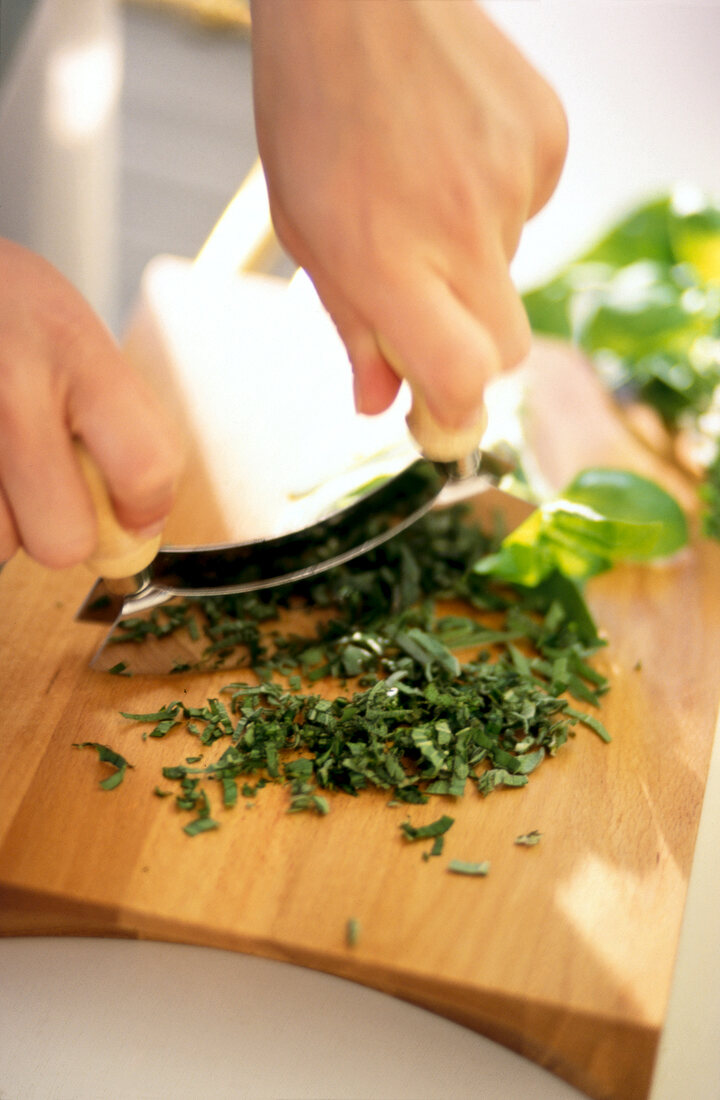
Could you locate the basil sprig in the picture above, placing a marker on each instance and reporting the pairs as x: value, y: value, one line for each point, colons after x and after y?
x: 603, y: 517
x: 644, y: 303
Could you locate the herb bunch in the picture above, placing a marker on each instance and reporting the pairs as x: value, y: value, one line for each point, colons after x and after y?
x: 644, y: 303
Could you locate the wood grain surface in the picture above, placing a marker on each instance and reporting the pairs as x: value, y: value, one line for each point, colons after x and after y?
x: 564, y: 952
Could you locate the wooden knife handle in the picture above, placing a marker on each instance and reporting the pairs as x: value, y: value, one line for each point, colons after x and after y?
x: 118, y: 553
x: 436, y: 443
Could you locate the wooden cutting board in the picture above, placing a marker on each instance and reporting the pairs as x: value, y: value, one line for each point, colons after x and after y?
x: 564, y: 952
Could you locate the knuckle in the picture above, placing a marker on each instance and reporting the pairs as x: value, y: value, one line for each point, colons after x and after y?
x: 551, y: 145
x: 66, y: 326
x: 502, y: 196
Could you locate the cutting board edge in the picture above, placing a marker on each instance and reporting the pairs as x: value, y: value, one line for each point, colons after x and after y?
x: 567, y: 1043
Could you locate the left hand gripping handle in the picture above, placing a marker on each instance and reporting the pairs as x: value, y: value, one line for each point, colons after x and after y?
x: 118, y: 553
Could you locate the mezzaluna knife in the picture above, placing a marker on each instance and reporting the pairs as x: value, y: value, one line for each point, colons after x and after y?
x: 137, y: 577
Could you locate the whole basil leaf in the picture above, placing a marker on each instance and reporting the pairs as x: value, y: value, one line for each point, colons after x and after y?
x: 627, y: 497
x: 604, y: 516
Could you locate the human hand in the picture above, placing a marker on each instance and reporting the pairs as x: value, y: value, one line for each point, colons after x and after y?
x: 62, y: 378
x: 405, y: 144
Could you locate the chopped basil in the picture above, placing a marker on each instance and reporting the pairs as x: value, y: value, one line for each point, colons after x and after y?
x: 108, y: 756
x: 437, y: 848
x: 462, y: 867
x: 591, y: 722
x: 230, y: 791
x: 303, y: 797
x: 422, y: 832
x: 352, y: 931
x: 165, y: 719
x: 200, y: 825
x: 528, y: 840
x: 418, y: 721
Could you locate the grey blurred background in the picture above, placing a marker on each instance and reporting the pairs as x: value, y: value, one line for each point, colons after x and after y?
x: 108, y: 161
x: 187, y: 134
x: 125, y: 128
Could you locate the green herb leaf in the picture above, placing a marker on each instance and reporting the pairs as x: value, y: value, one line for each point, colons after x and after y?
x: 629, y: 500
x: 422, y: 832
x: 463, y: 867
x: 230, y: 791
x: 165, y: 719
x: 352, y: 931
x: 420, y: 722
x: 108, y: 756
x: 437, y: 848
x: 428, y: 651
x: 592, y: 723
x: 200, y: 825
x: 528, y: 840
x: 644, y: 302
x: 603, y: 517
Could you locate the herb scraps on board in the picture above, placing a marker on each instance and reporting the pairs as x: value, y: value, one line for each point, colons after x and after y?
x: 352, y: 931
x: 529, y: 840
x: 459, y: 676
x: 644, y: 304
x: 106, y: 755
x: 465, y: 867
